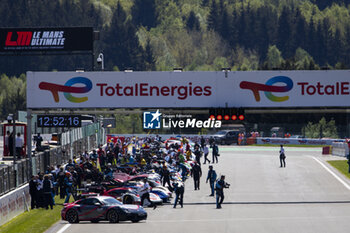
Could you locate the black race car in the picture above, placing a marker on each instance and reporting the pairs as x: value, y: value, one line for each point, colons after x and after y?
x: 99, y: 208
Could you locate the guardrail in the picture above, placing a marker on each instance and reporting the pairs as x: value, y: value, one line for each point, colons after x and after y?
x: 14, y: 176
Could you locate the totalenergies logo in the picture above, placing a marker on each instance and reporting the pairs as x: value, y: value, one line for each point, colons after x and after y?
x: 68, y: 88
x: 268, y: 88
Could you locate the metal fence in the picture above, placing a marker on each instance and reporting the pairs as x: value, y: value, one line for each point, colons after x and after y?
x: 13, y: 176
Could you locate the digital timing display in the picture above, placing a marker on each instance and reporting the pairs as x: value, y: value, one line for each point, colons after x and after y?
x: 59, y: 121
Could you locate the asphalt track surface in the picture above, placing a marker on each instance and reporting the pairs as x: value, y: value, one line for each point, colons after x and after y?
x: 306, y: 196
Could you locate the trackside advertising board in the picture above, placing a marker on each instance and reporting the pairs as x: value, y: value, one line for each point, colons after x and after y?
x: 188, y: 89
x: 46, y: 39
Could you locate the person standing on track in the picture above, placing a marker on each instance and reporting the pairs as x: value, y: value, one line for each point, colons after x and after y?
x: 144, y: 193
x: 211, y: 177
x: 202, y: 142
x: 219, y: 187
x: 215, y: 152
x: 198, y: 154
x: 206, y: 152
x: 196, y: 173
x: 282, y: 157
x: 179, y: 191
x: 165, y: 175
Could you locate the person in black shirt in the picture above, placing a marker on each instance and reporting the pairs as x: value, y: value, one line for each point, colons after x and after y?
x: 11, y: 141
x: 219, y: 187
x: 198, y: 154
x: 47, y: 190
x: 211, y: 177
x: 202, y: 142
x: 179, y: 191
x: 33, y: 192
x: 38, y: 139
x: 60, y: 182
x: 165, y: 174
x: 215, y: 152
x: 196, y: 173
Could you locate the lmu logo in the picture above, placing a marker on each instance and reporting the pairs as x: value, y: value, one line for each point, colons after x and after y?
x: 151, y: 120
x: 23, y: 39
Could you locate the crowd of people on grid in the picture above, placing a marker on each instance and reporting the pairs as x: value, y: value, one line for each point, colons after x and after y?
x: 143, y: 153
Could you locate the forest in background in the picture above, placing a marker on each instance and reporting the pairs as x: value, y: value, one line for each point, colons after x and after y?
x: 199, y: 35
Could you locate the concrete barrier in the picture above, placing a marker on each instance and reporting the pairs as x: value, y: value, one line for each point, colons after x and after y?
x: 297, y: 141
x: 340, y: 149
x: 14, y: 203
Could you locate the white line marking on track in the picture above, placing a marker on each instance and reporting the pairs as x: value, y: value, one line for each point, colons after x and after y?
x: 64, y: 228
x: 305, y: 218
x: 330, y: 171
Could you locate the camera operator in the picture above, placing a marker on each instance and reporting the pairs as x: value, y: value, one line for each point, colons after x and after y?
x: 219, y: 187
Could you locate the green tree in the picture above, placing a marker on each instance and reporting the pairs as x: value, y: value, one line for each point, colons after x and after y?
x: 285, y: 33
x: 193, y: 22
x: 123, y: 49
x: 274, y: 58
x: 213, y: 17
x: 144, y: 13
x: 13, y: 96
x: 149, y: 58
x: 302, y: 59
x: 322, y: 129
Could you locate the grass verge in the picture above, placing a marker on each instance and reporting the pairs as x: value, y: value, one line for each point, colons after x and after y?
x: 342, y: 166
x: 37, y: 220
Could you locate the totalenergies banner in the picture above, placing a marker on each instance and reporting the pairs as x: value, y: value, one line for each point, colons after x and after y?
x: 188, y: 89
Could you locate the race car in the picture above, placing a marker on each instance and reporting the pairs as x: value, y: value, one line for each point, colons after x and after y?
x: 124, y: 194
x: 100, y: 208
x: 154, y: 197
x: 161, y: 191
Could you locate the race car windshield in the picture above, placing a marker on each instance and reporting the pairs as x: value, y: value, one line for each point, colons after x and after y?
x: 111, y: 201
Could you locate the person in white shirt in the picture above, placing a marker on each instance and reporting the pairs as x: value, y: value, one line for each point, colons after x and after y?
x: 282, y: 157
x: 144, y: 192
x: 206, y: 152
x: 19, y: 145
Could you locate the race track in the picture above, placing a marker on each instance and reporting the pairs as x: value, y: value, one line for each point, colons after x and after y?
x: 306, y: 196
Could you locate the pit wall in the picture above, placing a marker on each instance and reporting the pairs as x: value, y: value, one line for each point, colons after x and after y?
x: 14, y: 203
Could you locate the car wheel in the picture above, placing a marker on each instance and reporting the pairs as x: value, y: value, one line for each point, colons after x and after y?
x: 128, y: 200
x: 72, y: 216
x: 135, y: 220
x: 95, y: 221
x: 112, y: 216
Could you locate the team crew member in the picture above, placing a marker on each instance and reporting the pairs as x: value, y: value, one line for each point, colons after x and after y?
x: 215, y: 152
x: 165, y: 174
x: 196, y: 173
x: 211, y: 177
x: 202, y: 142
x: 47, y: 188
x: 19, y: 145
x: 179, y: 191
x: 282, y: 157
x: 219, y: 187
x: 33, y: 192
x: 206, y: 152
x: 197, y: 153
x: 144, y: 192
